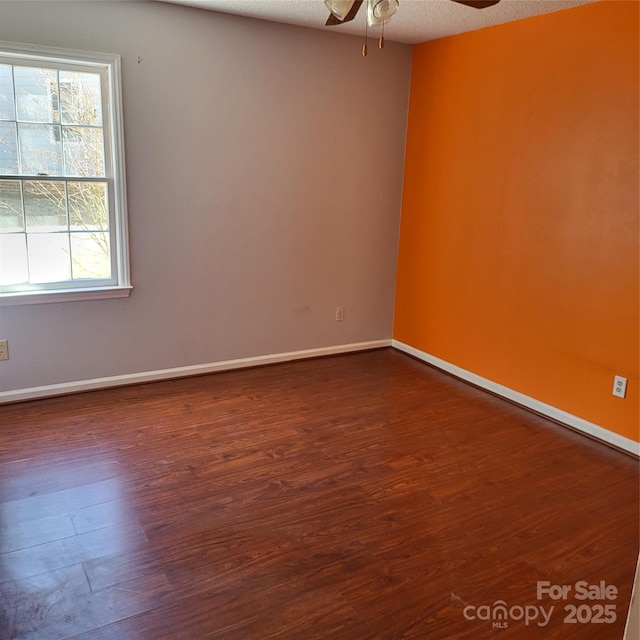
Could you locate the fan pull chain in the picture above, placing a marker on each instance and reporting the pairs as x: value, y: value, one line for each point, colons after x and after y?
x: 366, y: 34
x: 381, y: 41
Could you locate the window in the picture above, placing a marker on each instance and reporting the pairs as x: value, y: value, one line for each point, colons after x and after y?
x: 62, y: 192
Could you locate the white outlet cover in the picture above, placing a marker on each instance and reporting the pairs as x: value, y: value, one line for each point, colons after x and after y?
x: 619, y: 386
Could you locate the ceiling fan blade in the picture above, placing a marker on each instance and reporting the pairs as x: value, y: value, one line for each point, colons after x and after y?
x: 478, y: 4
x: 333, y: 20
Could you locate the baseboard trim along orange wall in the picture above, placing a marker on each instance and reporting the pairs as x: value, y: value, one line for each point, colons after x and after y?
x: 566, y: 419
x: 518, y: 257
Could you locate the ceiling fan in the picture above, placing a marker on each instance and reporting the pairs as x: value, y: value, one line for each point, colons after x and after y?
x: 379, y: 11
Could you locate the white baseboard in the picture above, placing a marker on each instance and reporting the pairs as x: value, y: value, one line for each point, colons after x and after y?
x: 574, y: 422
x: 46, y: 391
x: 571, y: 421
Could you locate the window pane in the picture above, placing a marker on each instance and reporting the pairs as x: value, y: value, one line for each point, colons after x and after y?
x: 90, y: 255
x: 10, y: 206
x: 49, y: 257
x: 8, y: 149
x: 88, y: 206
x: 7, y: 108
x: 80, y: 98
x: 13, y: 259
x: 83, y: 151
x: 45, y: 206
x: 36, y: 94
x: 62, y: 202
x: 40, y: 149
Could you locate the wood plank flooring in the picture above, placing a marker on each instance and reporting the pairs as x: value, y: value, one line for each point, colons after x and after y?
x: 365, y: 496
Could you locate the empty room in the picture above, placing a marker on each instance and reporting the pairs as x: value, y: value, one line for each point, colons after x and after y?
x: 319, y: 319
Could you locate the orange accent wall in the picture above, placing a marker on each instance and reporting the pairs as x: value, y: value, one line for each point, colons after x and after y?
x: 518, y: 251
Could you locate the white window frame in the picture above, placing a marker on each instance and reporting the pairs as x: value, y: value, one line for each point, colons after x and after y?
x: 109, y: 65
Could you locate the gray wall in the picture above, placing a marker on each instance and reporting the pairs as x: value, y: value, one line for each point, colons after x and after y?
x: 264, y: 169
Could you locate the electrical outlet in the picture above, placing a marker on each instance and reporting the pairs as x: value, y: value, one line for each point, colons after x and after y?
x: 619, y: 386
x: 4, y: 349
x: 339, y: 314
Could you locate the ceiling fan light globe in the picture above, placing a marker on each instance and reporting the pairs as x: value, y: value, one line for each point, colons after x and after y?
x: 339, y: 8
x: 384, y: 9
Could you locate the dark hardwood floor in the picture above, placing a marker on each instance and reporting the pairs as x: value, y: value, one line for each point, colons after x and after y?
x: 353, y: 497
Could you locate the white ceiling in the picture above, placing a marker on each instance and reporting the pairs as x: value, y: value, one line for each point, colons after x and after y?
x: 416, y: 20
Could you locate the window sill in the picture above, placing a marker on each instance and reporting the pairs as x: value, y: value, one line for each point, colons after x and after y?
x: 66, y: 295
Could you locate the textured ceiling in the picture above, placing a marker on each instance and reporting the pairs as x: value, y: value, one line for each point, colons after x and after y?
x: 415, y: 21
